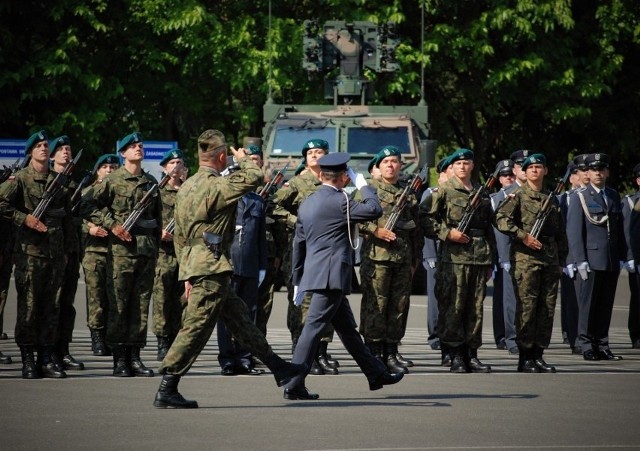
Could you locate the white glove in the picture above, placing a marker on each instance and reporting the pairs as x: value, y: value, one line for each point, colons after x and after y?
x: 432, y: 262
x: 352, y: 175
x: 297, y: 297
x: 630, y: 266
x: 584, y: 270
x: 569, y: 271
x: 261, y: 275
x: 506, y: 266
x: 360, y: 181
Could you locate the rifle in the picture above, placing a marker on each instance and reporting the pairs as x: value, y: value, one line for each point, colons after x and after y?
x: 8, y: 171
x: 142, y: 205
x: 474, y: 203
x: 275, y: 181
x: 55, y: 186
x: 412, y: 187
x: 77, y: 194
x: 171, y: 226
x: 543, y: 214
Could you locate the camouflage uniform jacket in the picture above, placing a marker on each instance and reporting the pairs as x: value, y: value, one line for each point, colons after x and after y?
x: 516, y: 216
x: 287, y: 199
x: 119, y: 193
x: 168, y: 196
x: 207, y: 202
x: 407, y: 248
x: 443, y: 210
x: 93, y: 243
x: 19, y: 197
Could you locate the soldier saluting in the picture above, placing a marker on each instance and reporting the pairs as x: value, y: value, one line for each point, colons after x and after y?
x: 538, y: 262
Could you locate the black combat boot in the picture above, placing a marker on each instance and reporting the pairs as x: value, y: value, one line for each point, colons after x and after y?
x: 136, y: 365
x: 98, y: 345
x: 322, y: 360
x: 528, y: 364
x: 283, y: 371
x: 539, y: 361
x: 163, y: 347
x: 391, y: 360
x: 458, y: 363
x: 51, y: 366
x: 5, y: 359
x: 401, y: 360
x: 120, y: 365
x: 445, y: 352
x: 68, y: 361
x: 29, y: 368
x: 169, y: 397
x: 475, y: 365
x: 332, y: 362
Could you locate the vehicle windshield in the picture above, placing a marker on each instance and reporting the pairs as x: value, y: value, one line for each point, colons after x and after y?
x: 367, y: 141
x: 289, y: 141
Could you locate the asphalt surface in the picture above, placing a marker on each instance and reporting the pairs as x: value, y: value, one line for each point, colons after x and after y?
x: 585, y: 405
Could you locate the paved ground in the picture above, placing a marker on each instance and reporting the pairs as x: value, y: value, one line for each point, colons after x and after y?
x: 583, y: 406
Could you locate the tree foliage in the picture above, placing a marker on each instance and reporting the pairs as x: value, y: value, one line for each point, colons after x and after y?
x: 558, y: 76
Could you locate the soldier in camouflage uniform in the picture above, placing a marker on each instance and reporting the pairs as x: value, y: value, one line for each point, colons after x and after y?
x: 389, y: 259
x: 286, y: 202
x: 207, y: 203
x: 7, y: 232
x: 537, y: 261
x: 39, y: 259
x: 132, y: 254
x: 60, y: 155
x: 167, y: 289
x: 465, y: 262
x: 94, y: 264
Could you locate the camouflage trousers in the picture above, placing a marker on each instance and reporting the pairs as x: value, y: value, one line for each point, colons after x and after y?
x: 460, y: 291
x: 386, y: 289
x: 167, y: 297
x: 67, y: 297
x: 297, y: 314
x: 536, y: 289
x: 212, y: 299
x: 265, y: 298
x: 38, y: 282
x: 94, y: 265
x: 129, y: 285
x: 6, y: 268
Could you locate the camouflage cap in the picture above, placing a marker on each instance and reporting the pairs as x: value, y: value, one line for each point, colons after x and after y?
x: 315, y: 144
x: 536, y: 158
x: 519, y: 156
x: 170, y: 155
x: 33, y: 140
x: 108, y: 158
x: 210, y: 140
x: 387, y: 151
x: 125, y: 142
x: 59, y: 141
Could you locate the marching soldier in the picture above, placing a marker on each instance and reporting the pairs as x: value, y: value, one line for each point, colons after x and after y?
x: 167, y: 289
x: 132, y: 254
x: 537, y: 262
x: 465, y: 262
x: 596, y: 239
x: 389, y: 259
x: 39, y: 259
x: 94, y: 263
x: 628, y: 204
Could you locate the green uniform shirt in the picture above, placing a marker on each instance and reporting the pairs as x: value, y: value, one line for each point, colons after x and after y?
x: 168, y: 195
x: 207, y: 202
x: 287, y: 199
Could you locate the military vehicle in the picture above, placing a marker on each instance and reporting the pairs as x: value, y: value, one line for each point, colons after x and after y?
x: 349, y: 124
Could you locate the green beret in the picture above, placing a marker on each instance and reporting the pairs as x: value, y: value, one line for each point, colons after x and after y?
x: 443, y: 164
x: 108, y: 158
x: 372, y: 163
x: 128, y: 140
x: 315, y: 144
x: 300, y: 168
x: 252, y: 149
x: 170, y: 155
x: 387, y: 151
x: 536, y: 158
x: 461, y: 154
x: 33, y: 140
x: 59, y: 141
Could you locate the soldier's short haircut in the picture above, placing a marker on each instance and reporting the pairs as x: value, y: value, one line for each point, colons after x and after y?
x: 210, y: 141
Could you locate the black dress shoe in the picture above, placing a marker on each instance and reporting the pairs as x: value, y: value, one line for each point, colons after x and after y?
x: 590, y: 355
x: 299, y: 393
x: 514, y: 350
x: 576, y: 350
x: 248, y: 369
x: 606, y: 354
x: 501, y: 344
x: 5, y: 359
x: 435, y: 346
x: 3, y: 336
x: 228, y: 370
x: 385, y: 378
